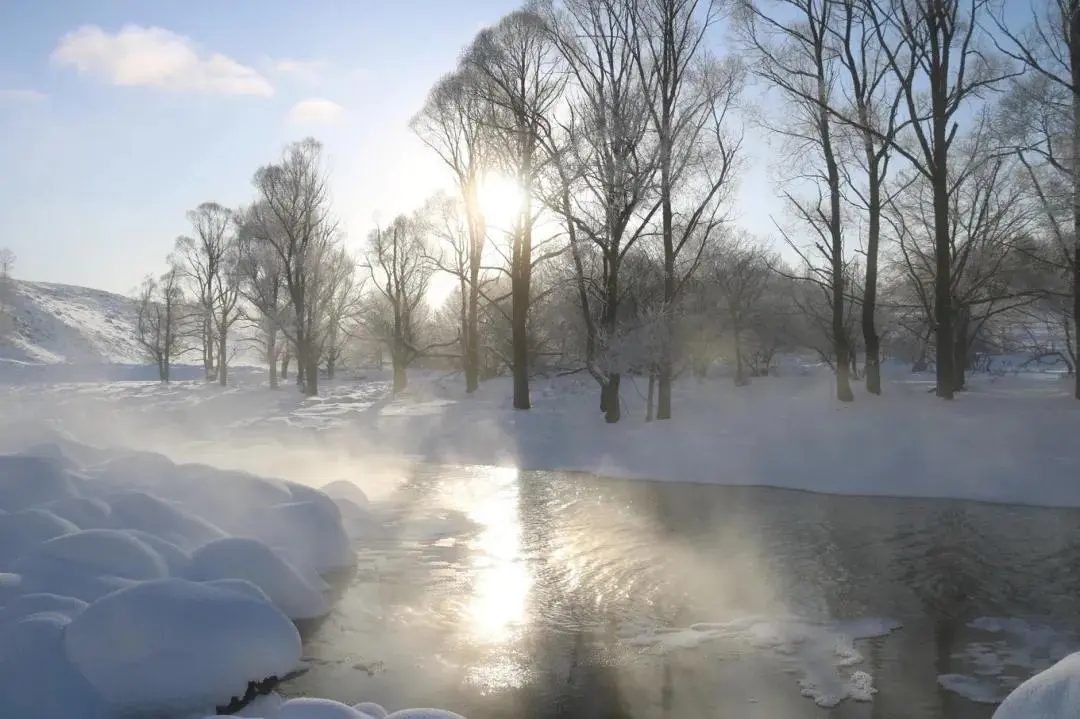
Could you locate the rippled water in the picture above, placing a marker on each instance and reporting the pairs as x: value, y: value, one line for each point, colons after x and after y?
x: 530, y: 616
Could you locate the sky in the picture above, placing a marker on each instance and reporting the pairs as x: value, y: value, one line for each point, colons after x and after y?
x: 117, y: 116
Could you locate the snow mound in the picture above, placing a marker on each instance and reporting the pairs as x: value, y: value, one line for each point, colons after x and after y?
x: 172, y: 646
x: 147, y: 513
x: 29, y: 604
x: 344, y: 489
x: 83, y: 512
x: 36, y: 679
x: 1051, y: 694
x: 307, y: 708
x: 22, y: 531
x: 250, y: 559
x: 424, y: 714
x: 373, y: 710
x: 94, y: 552
x: 28, y: 481
x: 310, y: 535
x: 821, y: 655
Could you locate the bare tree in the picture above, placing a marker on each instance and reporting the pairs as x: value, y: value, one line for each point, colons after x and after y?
x: 262, y: 284
x: 452, y: 124
x: 690, y: 112
x: 341, y: 295
x: 796, y: 54
x: 160, y: 319
x: 396, y: 261
x: 201, y: 261
x: 520, y: 79
x: 294, y: 213
x: 989, y: 226
x: 934, y: 51
x: 738, y: 272
x: 1046, y: 117
x: 604, y: 162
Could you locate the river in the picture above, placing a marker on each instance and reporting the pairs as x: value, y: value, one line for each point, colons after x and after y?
x: 574, y: 596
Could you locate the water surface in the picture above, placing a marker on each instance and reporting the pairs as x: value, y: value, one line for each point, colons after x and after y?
x: 534, y: 615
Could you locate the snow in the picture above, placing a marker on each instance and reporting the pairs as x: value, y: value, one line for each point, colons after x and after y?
x: 171, y: 646
x: 273, y: 707
x: 985, y: 445
x: 252, y: 560
x: 1051, y: 694
x: 820, y: 655
x: 126, y: 601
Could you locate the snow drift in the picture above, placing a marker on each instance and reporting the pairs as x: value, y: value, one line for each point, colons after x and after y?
x: 135, y: 586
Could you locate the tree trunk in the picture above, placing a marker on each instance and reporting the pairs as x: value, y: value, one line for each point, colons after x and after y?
x: 1074, y: 63
x: 664, y: 376
x: 223, y: 363
x: 649, y: 397
x: 472, y: 329
x: 271, y: 353
x: 401, y: 379
x: 740, y: 370
x: 612, y: 408
x: 520, y: 281
x: 285, y: 366
x: 961, y: 344
x: 870, y: 337
x: 311, y: 372
x: 330, y: 365
x: 943, y: 310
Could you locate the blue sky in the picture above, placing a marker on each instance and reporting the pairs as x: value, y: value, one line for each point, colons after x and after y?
x: 116, y: 116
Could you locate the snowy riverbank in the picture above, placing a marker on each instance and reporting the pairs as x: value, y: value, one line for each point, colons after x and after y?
x: 1009, y: 439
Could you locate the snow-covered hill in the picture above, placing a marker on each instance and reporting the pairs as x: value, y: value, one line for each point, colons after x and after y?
x: 63, y: 324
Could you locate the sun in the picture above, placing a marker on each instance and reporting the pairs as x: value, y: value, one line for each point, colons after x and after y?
x: 501, y: 199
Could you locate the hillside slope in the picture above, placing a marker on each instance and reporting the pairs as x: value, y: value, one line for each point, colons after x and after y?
x: 63, y: 324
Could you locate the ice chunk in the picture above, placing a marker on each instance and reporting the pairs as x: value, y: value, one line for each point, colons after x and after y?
x: 22, y: 531
x: 170, y: 647
x: 1051, y: 694
x: 250, y: 559
x: 27, y: 481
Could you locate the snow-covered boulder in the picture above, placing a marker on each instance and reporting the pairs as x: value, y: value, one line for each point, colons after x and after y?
x: 89, y: 564
x: 310, y: 535
x: 22, y: 531
x: 1051, y: 694
x: 175, y: 647
x: 250, y: 559
x: 304, y: 493
x: 83, y: 512
x: 28, y: 481
x: 424, y: 714
x: 344, y: 489
x: 150, y: 514
x: 309, y: 708
x: 176, y: 559
x: 29, y: 604
x: 36, y: 679
x: 373, y: 710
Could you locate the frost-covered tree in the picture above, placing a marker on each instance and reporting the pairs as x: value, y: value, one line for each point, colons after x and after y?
x: 293, y: 215
x: 161, y: 320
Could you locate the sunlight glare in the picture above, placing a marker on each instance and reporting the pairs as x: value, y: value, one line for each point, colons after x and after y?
x: 501, y: 199
x: 498, y: 607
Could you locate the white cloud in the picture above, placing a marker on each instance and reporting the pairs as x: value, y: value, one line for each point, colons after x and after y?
x: 307, y: 70
x: 155, y: 57
x: 315, y: 110
x: 22, y: 95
